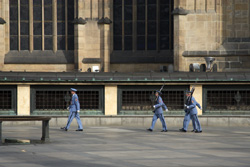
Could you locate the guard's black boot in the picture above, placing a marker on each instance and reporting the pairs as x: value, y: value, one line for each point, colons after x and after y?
x: 182, y: 130
x: 164, y: 130
x: 79, y: 130
x: 150, y: 130
x: 198, y: 131
x: 64, y: 128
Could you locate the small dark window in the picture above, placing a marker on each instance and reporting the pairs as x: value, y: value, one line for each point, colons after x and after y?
x: 61, y: 13
x: 141, y: 28
x: 37, y: 13
x: 13, y: 28
x: 70, y: 43
x: 24, y: 12
x: 37, y: 28
x: 118, y: 28
x: 61, y: 28
x: 128, y: 28
x: 118, y: 43
x: 151, y: 42
x: 48, y: 28
x: 141, y: 43
x: 13, y: 13
x: 13, y: 43
x: 128, y: 42
x: 48, y: 43
x: 38, y: 43
x: 24, y: 42
x: 61, y: 43
x: 48, y: 13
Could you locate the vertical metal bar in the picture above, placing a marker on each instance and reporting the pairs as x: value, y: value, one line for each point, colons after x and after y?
x: 123, y: 31
x: 249, y: 16
x: 66, y: 24
x: 75, y: 8
x: 54, y: 21
x: 134, y: 25
x: 158, y: 25
x: 146, y: 25
x: 31, y: 42
x: 170, y: 24
x: 43, y: 24
x: 103, y: 8
x: 19, y: 26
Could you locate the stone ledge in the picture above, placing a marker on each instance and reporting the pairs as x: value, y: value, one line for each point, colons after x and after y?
x: 91, y: 60
x: 215, y: 53
x: 180, y: 11
x: 79, y: 21
x: 237, y: 40
x: 104, y: 21
x: 2, y: 21
x: 39, y: 57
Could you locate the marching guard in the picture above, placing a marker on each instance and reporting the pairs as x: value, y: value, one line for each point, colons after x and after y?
x: 74, y: 110
x: 158, y: 112
x: 191, y: 113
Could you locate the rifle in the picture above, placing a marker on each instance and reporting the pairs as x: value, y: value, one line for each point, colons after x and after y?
x: 160, y: 92
x: 188, y: 101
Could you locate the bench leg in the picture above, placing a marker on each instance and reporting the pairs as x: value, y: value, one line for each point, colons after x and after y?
x: 1, y: 133
x: 45, y: 131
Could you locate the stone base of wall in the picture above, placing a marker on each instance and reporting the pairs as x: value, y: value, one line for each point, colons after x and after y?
x: 140, y: 121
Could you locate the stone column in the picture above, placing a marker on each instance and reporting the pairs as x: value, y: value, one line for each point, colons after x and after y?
x: 79, y: 33
x: 198, y: 94
x: 111, y: 100
x: 179, y: 34
x: 2, y: 45
x: 106, y: 48
x: 23, y: 100
x: 93, y: 39
x: 2, y: 34
x: 107, y: 34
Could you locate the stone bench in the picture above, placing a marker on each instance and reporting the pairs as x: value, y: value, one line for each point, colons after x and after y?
x: 45, y: 124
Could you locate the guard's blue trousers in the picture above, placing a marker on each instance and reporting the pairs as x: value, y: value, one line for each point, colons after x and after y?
x: 73, y: 115
x: 196, y: 121
x: 163, y: 122
x: 186, y: 121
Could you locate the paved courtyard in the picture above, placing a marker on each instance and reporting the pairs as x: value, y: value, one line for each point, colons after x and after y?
x: 128, y: 146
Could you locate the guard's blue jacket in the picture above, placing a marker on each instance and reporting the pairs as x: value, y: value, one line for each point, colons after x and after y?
x: 75, y: 105
x: 192, y: 107
x: 158, y: 106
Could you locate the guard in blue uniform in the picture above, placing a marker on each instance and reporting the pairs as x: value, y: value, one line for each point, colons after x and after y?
x: 191, y: 113
x: 158, y: 112
x: 74, y: 110
x: 186, y: 121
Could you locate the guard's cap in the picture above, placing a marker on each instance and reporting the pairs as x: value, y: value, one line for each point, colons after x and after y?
x: 188, y: 91
x: 158, y: 92
x: 73, y: 89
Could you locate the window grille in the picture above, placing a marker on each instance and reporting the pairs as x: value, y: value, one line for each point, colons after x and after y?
x: 60, y: 100
x: 143, y: 98
x: 228, y: 100
x: 5, y: 100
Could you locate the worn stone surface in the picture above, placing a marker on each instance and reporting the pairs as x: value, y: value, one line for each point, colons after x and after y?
x: 127, y: 146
